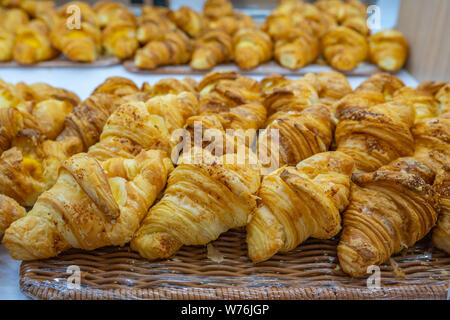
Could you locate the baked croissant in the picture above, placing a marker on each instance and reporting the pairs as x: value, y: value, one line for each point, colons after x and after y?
x: 443, y: 96
x: 86, y: 121
x: 202, y: 200
x: 188, y: 20
x: 153, y: 25
x: 300, y: 135
x: 383, y: 83
x: 390, y: 210
x: 32, y: 43
x: 11, y: 122
x: 119, y: 39
x: 214, y: 9
x: 341, y: 10
x: 12, y: 18
x: 441, y: 233
x: 320, y: 21
x: 173, y: 48
x: 388, y: 49
x: 344, y: 48
x: 82, y: 44
x: 298, y: 203
x: 424, y: 103
x: 87, y: 13
x: 376, y: 135
x: 296, y: 48
x: 140, y: 126
x: 171, y: 85
x: 432, y: 138
x: 331, y: 86
x: 109, y: 12
x: 10, y: 211
x: 31, y: 165
x: 93, y: 204
x: 119, y: 87
x: 212, y: 47
x: 232, y: 23
x: 6, y: 44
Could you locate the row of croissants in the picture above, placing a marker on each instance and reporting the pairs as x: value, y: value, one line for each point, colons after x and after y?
x: 295, y: 34
x: 369, y: 165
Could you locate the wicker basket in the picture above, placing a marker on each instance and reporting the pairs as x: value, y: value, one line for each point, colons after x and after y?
x: 309, y: 272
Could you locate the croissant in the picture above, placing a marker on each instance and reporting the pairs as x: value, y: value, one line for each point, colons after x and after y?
x: 443, y: 96
x: 341, y: 10
x: 153, y: 25
x: 424, y: 103
x: 441, y: 233
x: 214, y: 9
x: 140, y: 126
x: 87, y: 13
x: 222, y: 90
x: 320, y: 21
x: 331, y: 86
x: 357, y: 23
x: 12, y: 18
x: 86, y: 121
x: 300, y: 135
x: 344, y: 48
x: 383, y: 83
x: 35, y: 8
x: 118, y: 87
x: 109, y: 12
x: 376, y: 135
x: 232, y: 23
x: 288, y: 95
x: 202, y: 200
x: 298, y: 203
x: 31, y: 165
x: 432, y: 138
x: 188, y: 20
x: 11, y: 122
x: 10, y: 211
x: 287, y: 6
x: 173, y: 48
x: 171, y: 85
x: 6, y: 44
x: 119, y: 39
x: 296, y: 48
x: 388, y: 49
x: 390, y: 210
x: 32, y: 43
x: 212, y: 47
x: 93, y: 204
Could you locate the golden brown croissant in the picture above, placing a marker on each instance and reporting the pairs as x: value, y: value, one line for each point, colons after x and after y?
x: 188, y: 20
x: 87, y: 119
x: 140, y: 126
x: 119, y: 39
x: 32, y: 43
x: 171, y: 85
x: 298, y: 203
x: 214, y: 9
x: 288, y: 95
x: 341, y: 10
x: 109, y: 12
x: 202, y: 200
x: 153, y: 24
x: 441, y: 233
x: 320, y: 21
x: 376, y: 135
x: 93, y: 204
x: 390, y: 210
x: 443, y: 96
x: 383, y: 83
x: 37, y: 7
x: 357, y: 23
x: 13, y: 18
x: 11, y: 122
x: 424, y: 103
x: 432, y: 138
x: 301, y: 134
x: 331, y: 86
x: 31, y: 165
x: 118, y: 87
x: 174, y: 48
x: 212, y: 47
x: 10, y: 211
x: 296, y: 48
x: 232, y: 23
x: 87, y: 13
x: 6, y: 44
x: 388, y: 49
x: 344, y: 48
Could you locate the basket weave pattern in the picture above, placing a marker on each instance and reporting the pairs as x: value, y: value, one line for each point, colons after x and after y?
x: 309, y: 272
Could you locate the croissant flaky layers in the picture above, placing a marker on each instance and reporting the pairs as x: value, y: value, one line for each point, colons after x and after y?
x: 92, y: 204
x: 298, y: 203
x: 390, y: 210
x: 201, y: 201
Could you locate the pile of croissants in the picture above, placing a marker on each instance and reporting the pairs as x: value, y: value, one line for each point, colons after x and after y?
x: 295, y: 34
x: 369, y: 165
